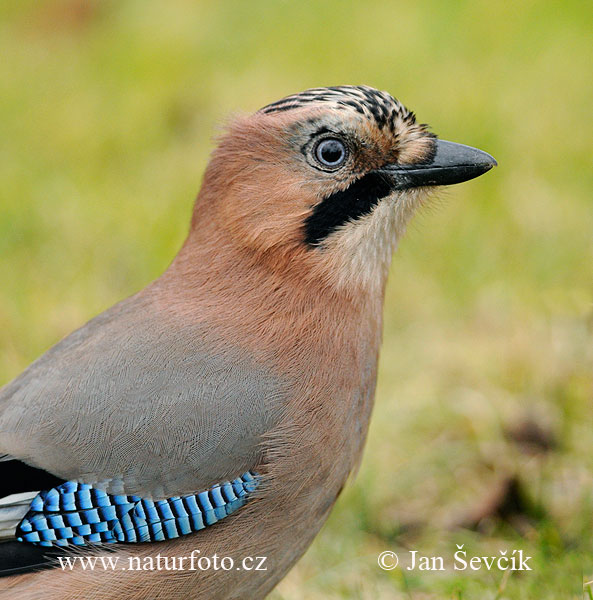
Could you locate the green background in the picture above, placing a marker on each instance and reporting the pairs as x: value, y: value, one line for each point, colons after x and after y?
x: 483, y: 428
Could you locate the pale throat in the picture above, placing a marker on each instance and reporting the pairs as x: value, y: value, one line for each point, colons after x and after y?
x: 359, y: 252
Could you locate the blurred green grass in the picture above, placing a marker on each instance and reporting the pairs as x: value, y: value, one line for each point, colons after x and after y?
x: 107, y: 110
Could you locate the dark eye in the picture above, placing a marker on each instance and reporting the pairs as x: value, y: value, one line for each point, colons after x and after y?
x: 331, y: 152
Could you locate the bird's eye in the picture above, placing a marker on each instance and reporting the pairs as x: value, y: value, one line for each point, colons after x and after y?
x: 331, y: 152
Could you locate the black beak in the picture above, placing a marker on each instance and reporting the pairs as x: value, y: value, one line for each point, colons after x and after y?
x: 452, y: 163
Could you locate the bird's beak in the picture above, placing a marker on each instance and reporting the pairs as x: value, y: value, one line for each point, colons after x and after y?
x: 452, y: 163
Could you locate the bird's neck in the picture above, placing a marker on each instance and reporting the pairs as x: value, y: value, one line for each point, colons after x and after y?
x: 264, y: 300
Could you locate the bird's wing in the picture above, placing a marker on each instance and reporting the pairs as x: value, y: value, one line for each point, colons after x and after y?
x: 139, y: 402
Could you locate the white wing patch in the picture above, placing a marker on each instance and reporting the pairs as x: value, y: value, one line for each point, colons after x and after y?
x: 12, y: 509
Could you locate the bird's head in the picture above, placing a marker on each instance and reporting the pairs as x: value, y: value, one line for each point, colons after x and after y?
x: 326, y: 180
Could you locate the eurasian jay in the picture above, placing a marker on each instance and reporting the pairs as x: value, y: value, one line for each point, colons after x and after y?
x: 221, y: 409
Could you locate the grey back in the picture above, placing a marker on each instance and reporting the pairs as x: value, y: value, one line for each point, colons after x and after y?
x: 138, y: 402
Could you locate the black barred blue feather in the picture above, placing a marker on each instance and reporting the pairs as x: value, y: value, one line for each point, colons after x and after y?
x: 78, y: 514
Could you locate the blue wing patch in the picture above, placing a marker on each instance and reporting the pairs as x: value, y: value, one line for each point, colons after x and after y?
x: 78, y: 514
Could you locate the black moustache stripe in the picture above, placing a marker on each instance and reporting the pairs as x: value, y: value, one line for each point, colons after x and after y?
x: 347, y: 205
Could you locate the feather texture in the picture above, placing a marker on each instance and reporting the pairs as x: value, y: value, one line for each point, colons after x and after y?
x: 78, y: 514
x: 138, y: 402
x: 12, y: 509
